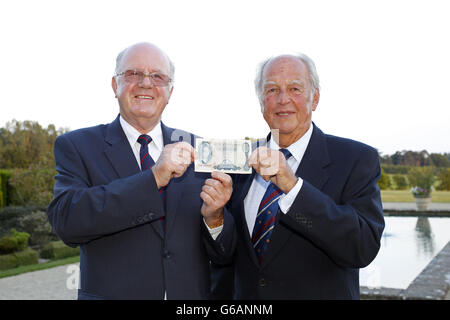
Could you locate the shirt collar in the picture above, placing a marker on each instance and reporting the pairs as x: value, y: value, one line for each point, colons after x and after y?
x: 132, y: 134
x: 298, y: 148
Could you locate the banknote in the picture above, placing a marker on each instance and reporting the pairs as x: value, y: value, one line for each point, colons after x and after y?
x: 229, y: 156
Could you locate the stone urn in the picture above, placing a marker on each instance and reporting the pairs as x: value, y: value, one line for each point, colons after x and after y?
x: 422, y: 203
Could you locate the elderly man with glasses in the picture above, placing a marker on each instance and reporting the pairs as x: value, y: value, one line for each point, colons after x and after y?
x: 127, y: 194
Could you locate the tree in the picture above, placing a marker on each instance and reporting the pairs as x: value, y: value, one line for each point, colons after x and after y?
x: 24, y: 143
x: 439, y: 160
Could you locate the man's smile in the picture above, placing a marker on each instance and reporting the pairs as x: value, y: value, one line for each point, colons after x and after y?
x: 284, y: 113
x: 147, y: 97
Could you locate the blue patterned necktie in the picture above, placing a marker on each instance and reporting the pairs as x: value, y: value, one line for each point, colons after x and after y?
x: 266, y: 216
x: 147, y: 162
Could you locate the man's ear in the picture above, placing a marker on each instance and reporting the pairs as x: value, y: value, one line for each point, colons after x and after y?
x: 316, y: 99
x: 114, y: 86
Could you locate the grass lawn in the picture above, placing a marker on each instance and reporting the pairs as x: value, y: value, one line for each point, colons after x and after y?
x: 406, y: 196
x: 36, y: 267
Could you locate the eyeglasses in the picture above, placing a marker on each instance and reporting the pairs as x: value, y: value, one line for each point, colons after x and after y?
x: 135, y: 76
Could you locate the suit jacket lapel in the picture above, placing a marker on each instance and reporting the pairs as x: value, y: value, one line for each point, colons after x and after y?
x: 118, y: 150
x: 311, y: 169
x: 315, y: 160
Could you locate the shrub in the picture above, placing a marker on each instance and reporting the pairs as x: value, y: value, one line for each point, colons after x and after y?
x: 37, y: 225
x: 384, y: 182
x: 400, y: 182
x: 421, y: 176
x: 422, y: 180
x: 17, y: 241
x: 58, y: 250
x: 32, y: 220
x: 13, y: 260
x: 444, y: 180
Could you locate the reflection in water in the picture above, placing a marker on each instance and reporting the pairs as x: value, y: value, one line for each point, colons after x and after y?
x: 424, y: 237
x: 407, y: 246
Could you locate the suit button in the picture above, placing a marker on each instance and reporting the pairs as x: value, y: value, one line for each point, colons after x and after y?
x: 166, y: 254
x: 262, y: 282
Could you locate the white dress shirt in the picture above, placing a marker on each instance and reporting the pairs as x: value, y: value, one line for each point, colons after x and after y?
x: 155, y: 147
x: 259, y: 185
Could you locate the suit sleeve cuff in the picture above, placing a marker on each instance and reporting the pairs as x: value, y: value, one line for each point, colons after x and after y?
x: 286, y: 200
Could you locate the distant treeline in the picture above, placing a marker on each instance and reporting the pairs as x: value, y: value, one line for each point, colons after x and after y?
x: 26, y: 144
x: 422, y: 158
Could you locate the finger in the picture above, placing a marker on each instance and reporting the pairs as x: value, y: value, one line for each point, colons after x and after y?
x: 224, y: 178
x: 195, y: 155
x: 178, y: 170
x: 265, y: 163
x: 186, y: 147
x: 206, y: 198
x: 182, y: 152
x: 268, y: 170
x: 259, y: 154
x: 254, y: 156
x: 184, y: 159
x: 211, y: 191
x: 213, y: 183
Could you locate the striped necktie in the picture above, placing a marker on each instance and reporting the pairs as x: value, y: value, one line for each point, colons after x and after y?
x: 147, y: 162
x: 266, y: 217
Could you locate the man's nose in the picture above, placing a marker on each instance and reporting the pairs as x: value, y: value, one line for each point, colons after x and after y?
x: 146, y: 82
x: 283, y: 97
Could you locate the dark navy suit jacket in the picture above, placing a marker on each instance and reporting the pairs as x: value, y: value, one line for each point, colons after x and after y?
x: 112, y: 210
x: 332, y: 229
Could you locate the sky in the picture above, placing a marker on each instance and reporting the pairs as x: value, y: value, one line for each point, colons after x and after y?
x: 384, y: 66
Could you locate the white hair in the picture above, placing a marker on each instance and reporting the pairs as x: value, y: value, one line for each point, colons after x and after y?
x: 312, y: 72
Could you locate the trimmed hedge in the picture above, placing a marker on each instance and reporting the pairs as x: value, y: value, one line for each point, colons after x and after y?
x: 14, y: 241
x: 21, y: 258
x: 58, y: 250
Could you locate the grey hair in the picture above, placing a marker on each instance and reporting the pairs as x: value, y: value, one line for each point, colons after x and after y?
x: 171, y: 65
x: 312, y: 72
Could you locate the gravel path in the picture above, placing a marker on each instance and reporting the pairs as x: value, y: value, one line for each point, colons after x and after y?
x: 59, y: 283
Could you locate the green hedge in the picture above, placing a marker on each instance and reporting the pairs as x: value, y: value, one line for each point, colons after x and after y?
x: 14, y: 241
x: 22, y: 258
x: 4, y: 176
x: 395, y: 169
x: 58, y: 250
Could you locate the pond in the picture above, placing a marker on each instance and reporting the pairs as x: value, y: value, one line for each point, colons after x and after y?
x: 408, y: 244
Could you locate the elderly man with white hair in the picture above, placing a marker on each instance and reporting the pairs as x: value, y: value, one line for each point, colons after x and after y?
x: 310, y: 215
